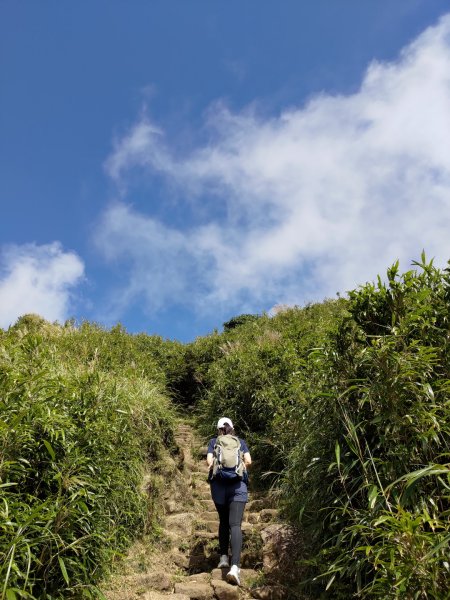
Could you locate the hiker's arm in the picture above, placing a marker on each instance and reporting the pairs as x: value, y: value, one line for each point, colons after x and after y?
x: 209, y: 459
x: 247, y: 459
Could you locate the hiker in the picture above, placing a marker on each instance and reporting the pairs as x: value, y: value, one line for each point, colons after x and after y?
x: 229, y: 492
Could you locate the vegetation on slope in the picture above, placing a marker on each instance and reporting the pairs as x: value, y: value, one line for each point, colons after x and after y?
x: 348, y: 404
x: 345, y: 405
x: 81, y: 412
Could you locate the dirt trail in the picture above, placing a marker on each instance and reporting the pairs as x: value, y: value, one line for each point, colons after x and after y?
x: 183, y: 565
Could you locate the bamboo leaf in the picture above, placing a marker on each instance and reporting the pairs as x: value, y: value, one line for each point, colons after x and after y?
x: 50, y: 449
x: 337, y: 451
x: 330, y: 582
x: 63, y: 569
x: 373, y: 494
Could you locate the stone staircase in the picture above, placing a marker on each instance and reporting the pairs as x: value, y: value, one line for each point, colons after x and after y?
x: 183, y: 565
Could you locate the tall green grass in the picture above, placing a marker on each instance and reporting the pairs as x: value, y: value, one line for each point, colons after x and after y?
x: 347, y: 404
x: 78, y: 423
x: 370, y: 479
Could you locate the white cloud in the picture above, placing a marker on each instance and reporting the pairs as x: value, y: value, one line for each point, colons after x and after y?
x: 37, y: 279
x: 316, y: 200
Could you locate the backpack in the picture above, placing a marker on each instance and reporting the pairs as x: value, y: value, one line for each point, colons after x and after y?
x: 228, y: 462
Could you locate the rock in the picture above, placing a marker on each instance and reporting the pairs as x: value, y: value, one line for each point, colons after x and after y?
x: 257, y: 505
x: 173, y: 537
x: 247, y: 576
x: 276, y: 533
x: 220, y: 574
x: 198, y: 578
x: 210, y: 515
x: 203, y: 493
x: 180, y: 559
x: 171, y: 506
x: 211, y: 526
x: 180, y: 523
x: 159, y: 580
x: 225, y: 591
x: 268, y: 514
x: 158, y: 596
x: 272, y: 592
x: 253, y: 517
x: 205, y: 535
x: 276, y: 539
x: 207, y: 504
x: 195, y: 591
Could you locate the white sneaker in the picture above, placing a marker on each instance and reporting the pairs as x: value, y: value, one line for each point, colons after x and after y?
x: 233, y: 575
x: 223, y: 562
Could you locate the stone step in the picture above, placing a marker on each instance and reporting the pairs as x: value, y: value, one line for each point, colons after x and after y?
x: 204, y: 586
x: 207, y: 504
x: 207, y: 526
x: 225, y: 591
x: 158, y: 580
x: 247, y: 576
x: 202, y: 534
x: 180, y: 559
x: 196, y: 552
x: 200, y: 484
x: 182, y: 432
x: 196, y: 590
x: 202, y: 493
x: 257, y: 505
x: 153, y: 595
x: 180, y: 523
x: 198, y: 578
x: 209, y: 515
x: 200, y: 476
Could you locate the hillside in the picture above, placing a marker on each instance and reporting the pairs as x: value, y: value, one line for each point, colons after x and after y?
x: 344, y: 404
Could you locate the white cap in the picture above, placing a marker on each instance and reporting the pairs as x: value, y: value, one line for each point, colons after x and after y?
x: 221, y: 422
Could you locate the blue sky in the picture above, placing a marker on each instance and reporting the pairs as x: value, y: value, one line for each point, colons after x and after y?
x: 170, y: 164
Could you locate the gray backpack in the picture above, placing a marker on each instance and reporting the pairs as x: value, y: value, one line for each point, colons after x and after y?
x: 228, y: 463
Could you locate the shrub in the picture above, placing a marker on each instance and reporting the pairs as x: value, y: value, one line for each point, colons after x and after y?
x: 370, y: 475
x: 74, y: 440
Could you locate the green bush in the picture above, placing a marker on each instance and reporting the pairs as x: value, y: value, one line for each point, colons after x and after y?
x: 370, y: 477
x: 348, y: 402
x: 74, y: 440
